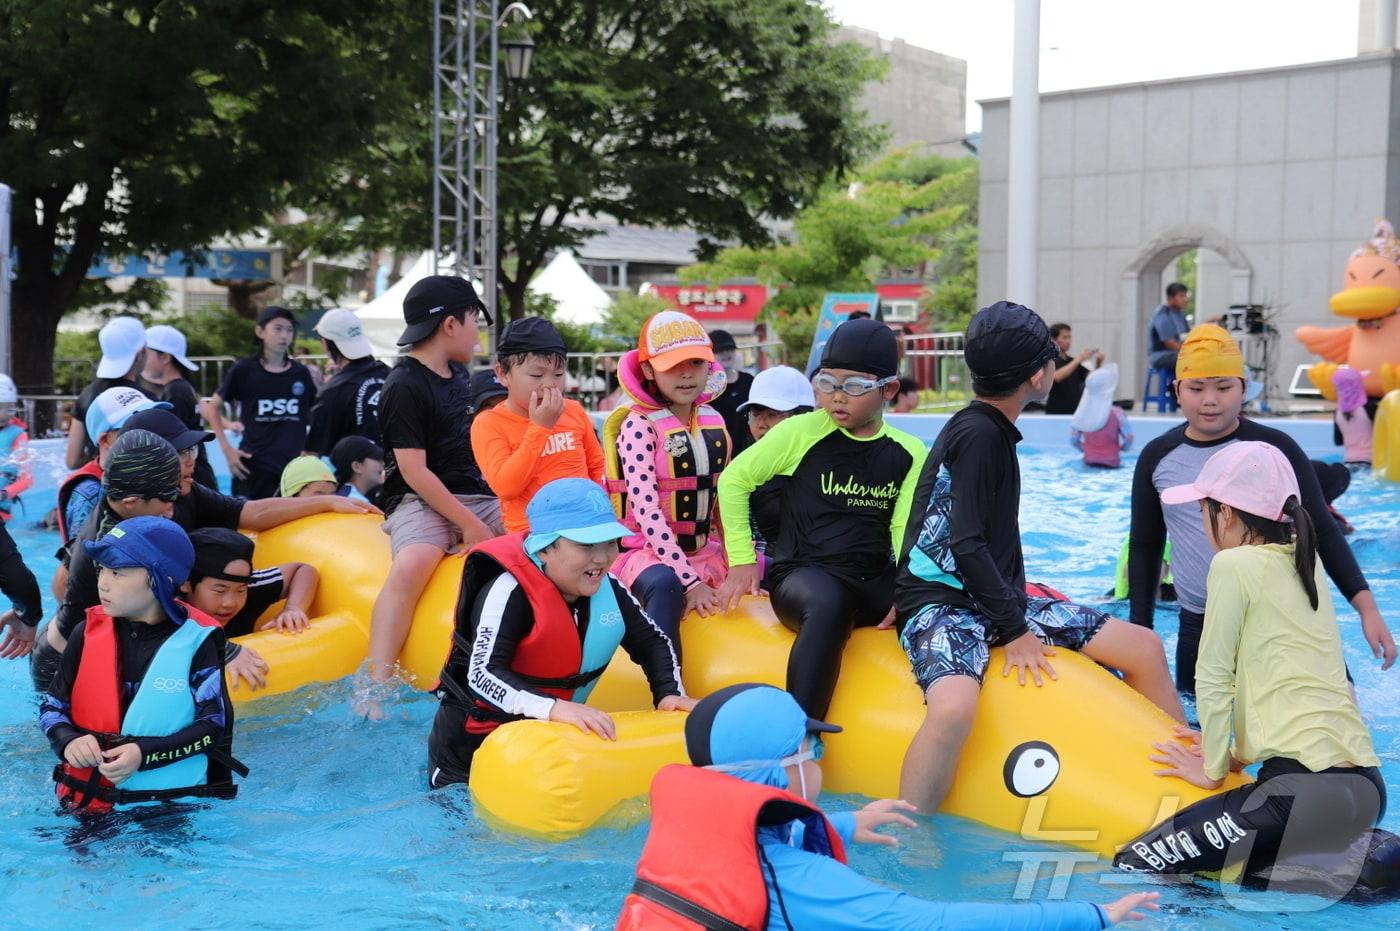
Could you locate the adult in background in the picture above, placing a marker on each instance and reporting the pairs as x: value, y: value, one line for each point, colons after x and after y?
x: 1070, y: 372
x: 348, y: 404
x: 123, y: 342
x: 165, y: 377
x: 275, y: 394
x: 736, y: 392
x: 1168, y: 328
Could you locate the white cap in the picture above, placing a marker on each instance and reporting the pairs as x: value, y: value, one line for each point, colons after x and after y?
x: 121, y: 340
x: 9, y: 394
x: 168, y: 339
x: 110, y: 409
x: 780, y: 388
x: 342, y: 327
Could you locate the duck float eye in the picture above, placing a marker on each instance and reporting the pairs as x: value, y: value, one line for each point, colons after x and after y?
x: 1031, y: 768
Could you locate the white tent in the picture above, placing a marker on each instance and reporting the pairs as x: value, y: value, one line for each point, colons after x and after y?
x: 382, y: 318
x: 578, y: 297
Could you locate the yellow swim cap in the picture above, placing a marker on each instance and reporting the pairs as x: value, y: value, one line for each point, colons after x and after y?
x: 1209, y: 352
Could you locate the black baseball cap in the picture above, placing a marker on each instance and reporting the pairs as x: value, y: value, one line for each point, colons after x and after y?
x: 722, y: 341
x: 214, y: 549
x: 353, y: 449
x: 484, y: 386
x: 530, y: 335
x: 431, y: 299
x: 1006, y: 344
x: 169, y: 428
x: 862, y: 346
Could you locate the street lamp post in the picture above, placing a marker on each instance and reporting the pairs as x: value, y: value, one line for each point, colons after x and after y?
x: 466, y: 110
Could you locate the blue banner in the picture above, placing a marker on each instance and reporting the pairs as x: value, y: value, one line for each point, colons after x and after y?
x: 254, y: 264
x: 835, y: 309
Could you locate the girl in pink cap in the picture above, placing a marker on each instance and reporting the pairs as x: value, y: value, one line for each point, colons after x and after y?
x: 1271, y: 688
x: 665, y: 449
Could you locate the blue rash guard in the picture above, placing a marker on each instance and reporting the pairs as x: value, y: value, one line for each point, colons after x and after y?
x: 820, y: 892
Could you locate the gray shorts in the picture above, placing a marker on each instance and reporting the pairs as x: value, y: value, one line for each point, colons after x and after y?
x: 414, y: 521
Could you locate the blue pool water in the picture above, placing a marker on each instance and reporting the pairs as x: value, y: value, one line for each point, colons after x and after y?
x: 335, y: 828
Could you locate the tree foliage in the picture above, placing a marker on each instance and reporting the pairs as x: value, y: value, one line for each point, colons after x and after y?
x: 155, y: 126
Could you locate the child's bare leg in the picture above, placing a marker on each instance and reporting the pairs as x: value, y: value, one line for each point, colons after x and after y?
x: 392, y: 617
x: 932, y: 757
x: 1137, y: 653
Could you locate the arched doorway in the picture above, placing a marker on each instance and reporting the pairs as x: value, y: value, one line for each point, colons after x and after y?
x: 1144, y: 281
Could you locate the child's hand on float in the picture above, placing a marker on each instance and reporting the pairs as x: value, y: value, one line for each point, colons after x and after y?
x: 83, y: 751
x: 702, y: 599
x: 584, y: 718
x: 1126, y: 908
x: 249, y: 666
x: 1184, y: 763
x: 741, y: 581
x: 120, y: 762
x: 878, y: 814
x: 675, y: 703
x: 338, y: 505
x: 888, y: 622
x: 1026, y: 652
x: 290, y: 621
x: 1190, y: 735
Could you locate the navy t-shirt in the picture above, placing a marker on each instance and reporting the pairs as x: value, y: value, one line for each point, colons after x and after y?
x: 419, y: 409
x: 275, y: 408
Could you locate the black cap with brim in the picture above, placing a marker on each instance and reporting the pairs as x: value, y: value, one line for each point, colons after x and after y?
x: 530, y: 335
x: 483, y: 386
x: 169, y: 428
x: 430, y: 301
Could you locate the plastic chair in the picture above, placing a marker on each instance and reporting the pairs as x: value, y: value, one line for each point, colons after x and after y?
x: 1162, y: 396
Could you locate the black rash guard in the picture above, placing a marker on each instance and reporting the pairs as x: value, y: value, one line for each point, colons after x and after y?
x: 1171, y: 459
x: 137, y: 646
x: 962, y: 544
x: 18, y: 583
x: 502, y: 617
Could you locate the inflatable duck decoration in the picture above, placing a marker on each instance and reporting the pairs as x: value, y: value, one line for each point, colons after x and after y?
x: 1370, y: 295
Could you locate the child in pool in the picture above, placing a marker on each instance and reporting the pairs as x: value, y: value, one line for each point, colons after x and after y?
x: 1270, y: 687
x: 1353, y: 423
x: 666, y: 448
x: 1098, y: 429
x: 224, y: 585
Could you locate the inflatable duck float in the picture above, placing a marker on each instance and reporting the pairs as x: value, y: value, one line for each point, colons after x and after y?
x: 1370, y: 296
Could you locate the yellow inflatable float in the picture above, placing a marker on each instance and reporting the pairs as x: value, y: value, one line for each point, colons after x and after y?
x: 1067, y: 762
x: 1385, y: 442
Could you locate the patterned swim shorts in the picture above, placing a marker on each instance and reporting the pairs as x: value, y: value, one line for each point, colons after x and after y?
x: 943, y: 640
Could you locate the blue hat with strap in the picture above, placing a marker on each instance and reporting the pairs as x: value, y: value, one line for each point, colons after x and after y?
x: 574, y: 508
x: 748, y: 729
x: 158, y: 545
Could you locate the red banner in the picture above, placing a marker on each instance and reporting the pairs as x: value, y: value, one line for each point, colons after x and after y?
x: 739, y: 302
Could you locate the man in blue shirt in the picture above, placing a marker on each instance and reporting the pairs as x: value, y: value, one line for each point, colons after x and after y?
x: 1168, y: 328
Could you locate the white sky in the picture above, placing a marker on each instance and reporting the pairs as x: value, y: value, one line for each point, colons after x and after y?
x: 1084, y: 43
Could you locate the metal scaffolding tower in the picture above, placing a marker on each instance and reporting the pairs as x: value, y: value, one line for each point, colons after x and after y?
x: 465, y: 112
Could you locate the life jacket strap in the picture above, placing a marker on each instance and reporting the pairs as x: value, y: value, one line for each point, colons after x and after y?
x: 683, y: 907
x: 91, y: 788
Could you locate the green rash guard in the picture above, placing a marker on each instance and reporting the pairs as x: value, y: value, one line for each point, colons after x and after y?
x: 844, y: 504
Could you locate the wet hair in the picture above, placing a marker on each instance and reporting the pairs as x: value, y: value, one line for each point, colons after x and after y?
x: 1176, y: 288
x: 520, y: 358
x: 1059, y: 328
x: 1262, y: 530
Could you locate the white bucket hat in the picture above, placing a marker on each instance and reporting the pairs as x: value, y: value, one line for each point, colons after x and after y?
x: 1097, y: 399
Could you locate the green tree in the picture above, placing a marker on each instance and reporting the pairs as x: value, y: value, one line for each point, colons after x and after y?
x: 155, y: 126
x: 711, y: 114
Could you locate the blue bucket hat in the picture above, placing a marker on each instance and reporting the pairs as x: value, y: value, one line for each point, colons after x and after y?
x: 159, y: 546
x: 749, y: 724
x: 573, y: 508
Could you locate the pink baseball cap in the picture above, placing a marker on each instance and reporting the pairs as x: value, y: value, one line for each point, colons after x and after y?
x: 1248, y: 476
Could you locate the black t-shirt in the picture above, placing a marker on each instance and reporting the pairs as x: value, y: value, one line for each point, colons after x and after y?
x: 736, y: 422
x: 1064, y: 395
x: 348, y: 405
x: 85, y: 399
x: 205, y: 507
x: 419, y: 409
x: 265, y: 589
x: 275, y: 408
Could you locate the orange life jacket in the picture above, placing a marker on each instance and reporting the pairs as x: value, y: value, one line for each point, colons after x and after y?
x: 702, y: 867
x: 65, y: 492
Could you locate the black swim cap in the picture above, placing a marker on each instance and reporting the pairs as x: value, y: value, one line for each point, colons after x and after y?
x: 862, y: 346
x: 142, y: 465
x: 1006, y: 344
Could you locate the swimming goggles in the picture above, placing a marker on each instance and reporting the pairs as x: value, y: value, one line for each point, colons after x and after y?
x: 853, y: 386
x: 815, y: 750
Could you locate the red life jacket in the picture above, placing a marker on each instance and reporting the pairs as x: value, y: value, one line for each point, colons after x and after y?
x: 1041, y: 590
x: 701, y: 866
x: 96, y: 707
x: 548, y: 658
x: 65, y: 492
